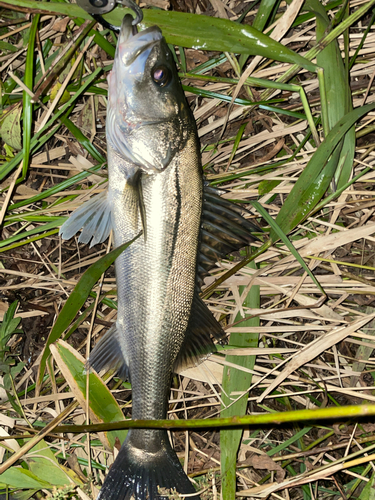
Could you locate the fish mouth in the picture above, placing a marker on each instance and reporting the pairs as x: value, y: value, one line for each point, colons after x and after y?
x: 131, y: 44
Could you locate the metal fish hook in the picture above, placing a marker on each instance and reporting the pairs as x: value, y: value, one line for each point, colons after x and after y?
x: 99, y: 7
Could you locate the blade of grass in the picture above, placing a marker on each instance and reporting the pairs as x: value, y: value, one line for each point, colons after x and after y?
x: 192, y: 30
x: 236, y: 380
x: 99, y: 39
x: 35, y: 230
x: 277, y: 230
x: 316, y: 177
x: 27, y: 101
x: 41, y: 136
x: 316, y: 415
x: 338, y: 93
x: 58, y: 188
x: 103, y: 405
x: 76, y: 300
x: 263, y: 13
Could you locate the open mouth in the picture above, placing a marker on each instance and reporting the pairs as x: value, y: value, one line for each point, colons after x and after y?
x: 131, y: 44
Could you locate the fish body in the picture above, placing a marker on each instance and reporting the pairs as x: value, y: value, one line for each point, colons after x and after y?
x: 155, y: 187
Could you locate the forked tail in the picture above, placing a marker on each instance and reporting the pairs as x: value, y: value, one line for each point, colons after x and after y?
x: 143, y: 475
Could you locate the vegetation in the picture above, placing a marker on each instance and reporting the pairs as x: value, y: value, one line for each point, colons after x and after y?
x: 283, y: 96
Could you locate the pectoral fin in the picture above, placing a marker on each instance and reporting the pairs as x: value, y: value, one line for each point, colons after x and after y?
x: 93, y: 217
x: 198, y: 343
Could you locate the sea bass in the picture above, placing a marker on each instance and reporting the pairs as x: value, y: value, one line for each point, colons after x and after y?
x: 155, y: 187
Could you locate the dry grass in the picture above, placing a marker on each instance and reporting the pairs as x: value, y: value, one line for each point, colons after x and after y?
x: 307, y: 357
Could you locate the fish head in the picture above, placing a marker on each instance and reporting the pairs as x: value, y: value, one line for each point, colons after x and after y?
x: 148, y: 118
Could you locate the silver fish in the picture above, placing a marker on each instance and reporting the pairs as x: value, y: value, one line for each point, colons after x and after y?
x: 155, y: 186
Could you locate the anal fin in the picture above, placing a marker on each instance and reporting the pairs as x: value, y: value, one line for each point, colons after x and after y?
x: 93, y: 217
x: 107, y: 354
x: 198, y: 343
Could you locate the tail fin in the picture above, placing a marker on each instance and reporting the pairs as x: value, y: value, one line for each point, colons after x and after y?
x: 141, y: 475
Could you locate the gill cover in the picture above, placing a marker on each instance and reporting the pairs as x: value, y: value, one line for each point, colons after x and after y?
x: 146, y: 120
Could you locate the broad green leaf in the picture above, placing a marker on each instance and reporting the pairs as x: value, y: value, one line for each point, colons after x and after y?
x: 103, y: 406
x: 42, y: 462
x: 76, y: 300
x: 23, y: 494
x: 212, y: 33
x: 237, y: 380
x: 316, y: 177
x: 10, y: 127
x: 192, y: 30
x: 368, y: 492
x: 17, y: 477
x: 338, y: 93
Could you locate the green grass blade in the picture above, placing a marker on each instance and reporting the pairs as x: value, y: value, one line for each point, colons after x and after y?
x: 276, y: 229
x: 36, y: 230
x: 192, y: 30
x: 338, y: 93
x: 29, y: 240
x: 315, y: 178
x: 41, y: 136
x: 236, y: 380
x: 103, y: 405
x: 99, y: 39
x: 76, y: 300
x: 82, y: 139
x: 238, y: 100
x: 288, y: 442
x: 236, y: 144
x: 27, y: 102
x: 58, y: 188
x: 366, y: 32
x: 263, y: 13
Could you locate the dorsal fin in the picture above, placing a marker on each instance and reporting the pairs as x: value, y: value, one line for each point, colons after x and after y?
x: 223, y: 230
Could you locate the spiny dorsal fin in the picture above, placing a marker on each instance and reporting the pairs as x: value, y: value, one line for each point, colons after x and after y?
x: 223, y: 230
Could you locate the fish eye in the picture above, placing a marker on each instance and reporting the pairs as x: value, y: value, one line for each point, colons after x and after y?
x: 161, y: 75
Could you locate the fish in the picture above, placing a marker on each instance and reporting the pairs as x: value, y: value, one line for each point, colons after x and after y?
x: 156, y: 189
